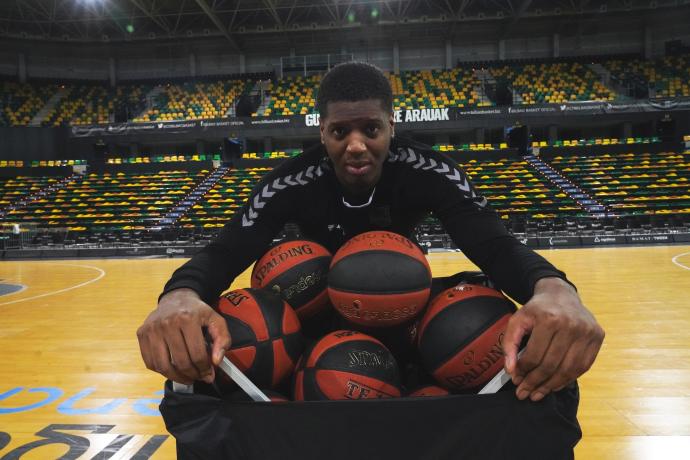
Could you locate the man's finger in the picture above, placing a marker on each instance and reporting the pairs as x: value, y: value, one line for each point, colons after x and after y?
x: 549, y: 366
x: 577, y: 360
x: 161, y: 363
x: 218, y: 330
x: 518, y: 326
x: 535, y: 350
x: 179, y: 356
x: 175, y: 375
x: 198, y: 353
x: 145, y: 348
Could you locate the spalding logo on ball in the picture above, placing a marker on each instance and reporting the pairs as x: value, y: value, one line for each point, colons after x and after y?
x: 461, y: 333
x: 379, y: 279
x: 298, y: 271
x: 347, y: 365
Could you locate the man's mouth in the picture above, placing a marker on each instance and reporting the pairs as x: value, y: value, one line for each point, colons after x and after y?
x: 358, y: 169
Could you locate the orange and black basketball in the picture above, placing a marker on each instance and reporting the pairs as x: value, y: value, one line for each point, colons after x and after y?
x: 460, y: 336
x: 266, y: 335
x: 298, y: 270
x: 379, y: 279
x: 347, y: 365
x: 429, y: 390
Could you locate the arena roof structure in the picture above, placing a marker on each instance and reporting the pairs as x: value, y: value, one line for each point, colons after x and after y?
x: 236, y: 21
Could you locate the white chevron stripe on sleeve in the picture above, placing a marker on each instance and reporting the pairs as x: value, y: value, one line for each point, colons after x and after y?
x: 464, y: 186
x: 456, y: 176
x: 432, y: 165
x: 418, y: 160
x: 266, y: 192
x: 443, y: 169
x: 299, y: 180
x: 281, y: 183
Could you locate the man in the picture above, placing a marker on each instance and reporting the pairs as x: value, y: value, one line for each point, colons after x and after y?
x: 363, y: 179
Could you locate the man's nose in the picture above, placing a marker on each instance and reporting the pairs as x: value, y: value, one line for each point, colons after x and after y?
x: 356, y: 145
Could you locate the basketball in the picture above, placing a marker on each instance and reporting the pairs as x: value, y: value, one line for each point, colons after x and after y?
x: 429, y: 390
x: 347, y: 365
x: 298, y: 270
x: 379, y: 279
x: 266, y: 335
x: 460, y: 336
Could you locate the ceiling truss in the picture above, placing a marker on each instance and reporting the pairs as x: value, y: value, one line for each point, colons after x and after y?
x: 237, y: 20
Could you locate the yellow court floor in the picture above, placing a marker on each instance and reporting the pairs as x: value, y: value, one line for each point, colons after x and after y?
x: 72, y: 383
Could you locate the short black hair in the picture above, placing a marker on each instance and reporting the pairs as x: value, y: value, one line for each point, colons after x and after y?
x: 352, y: 82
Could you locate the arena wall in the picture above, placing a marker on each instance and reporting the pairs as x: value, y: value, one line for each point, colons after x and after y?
x: 420, y: 46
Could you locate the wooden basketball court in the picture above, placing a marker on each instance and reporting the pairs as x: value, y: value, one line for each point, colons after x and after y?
x: 72, y: 383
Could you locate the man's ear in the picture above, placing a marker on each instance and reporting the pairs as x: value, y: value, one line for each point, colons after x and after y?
x: 322, y: 127
x: 391, y: 121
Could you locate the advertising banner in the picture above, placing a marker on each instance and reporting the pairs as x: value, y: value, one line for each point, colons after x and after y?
x: 408, y: 117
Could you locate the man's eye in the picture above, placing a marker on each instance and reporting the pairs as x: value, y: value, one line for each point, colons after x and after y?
x: 372, y: 130
x: 338, y: 132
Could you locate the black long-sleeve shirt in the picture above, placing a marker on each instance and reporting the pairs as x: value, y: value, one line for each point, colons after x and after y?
x: 415, y: 181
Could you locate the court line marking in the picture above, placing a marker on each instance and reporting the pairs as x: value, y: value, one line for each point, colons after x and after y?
x: 24, y: 286
x: 678, y: 263
x: 101, y: 275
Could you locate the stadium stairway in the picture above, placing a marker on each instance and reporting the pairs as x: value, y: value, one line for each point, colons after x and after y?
x: 23, y: 201
x: 484, y: 76
x: 591, y: 205
x: 195, y: 195
x: 47, y: 109
x: 262, y: 86
x: 602, y: 71
x: 606, y: 80
x: 150, y: 98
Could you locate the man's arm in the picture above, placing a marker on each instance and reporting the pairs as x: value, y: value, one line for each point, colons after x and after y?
x: 171, y: 339
x: 564, y: 336
x: 564, y: 340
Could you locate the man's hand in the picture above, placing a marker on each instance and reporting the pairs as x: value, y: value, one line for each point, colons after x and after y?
x: 171, y: 339
x: 565, y: 339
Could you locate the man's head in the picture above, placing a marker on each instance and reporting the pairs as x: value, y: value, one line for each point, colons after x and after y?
x: 356, y: 106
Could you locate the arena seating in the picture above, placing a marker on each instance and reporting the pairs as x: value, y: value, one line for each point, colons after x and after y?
x: 11, y: 163
x: 469, y: 147
x: 597, y: 141
x: 275, y: 154
x: 163, y: 159
x: 553, y: 83
x: 13, y: 189
x: 633, y: 183
x: 292, y: 96
x: 221, y: 202
x: 90, y: 104
x: 428, y: 89
x: 514, y: 188
x: 125, y: 207
x: 109, y: 201
x: 195, y: 101
x: 534, y: 83
x: 21, y: 101
x: 424, y: 89
x: 665, y: 77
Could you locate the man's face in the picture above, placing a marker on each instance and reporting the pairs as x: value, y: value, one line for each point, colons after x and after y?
x: 357, y: 136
